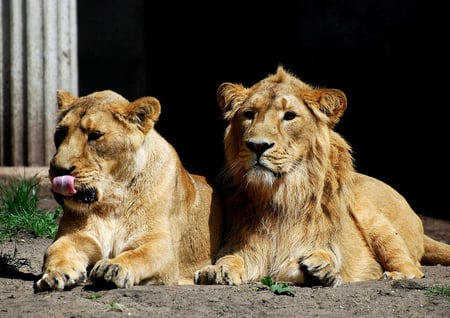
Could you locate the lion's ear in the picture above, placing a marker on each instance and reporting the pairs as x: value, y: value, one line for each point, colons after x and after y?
x: 144, y: 112
x: 229, y: 94
x: 64, y: 99
x: 330, y: 102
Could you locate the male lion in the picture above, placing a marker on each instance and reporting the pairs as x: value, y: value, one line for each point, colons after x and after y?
x: 132, y: 213
x: 295, y: 208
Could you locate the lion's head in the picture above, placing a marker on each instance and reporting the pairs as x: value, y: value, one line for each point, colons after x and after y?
x: 98, y: 139
x: 279, y: 139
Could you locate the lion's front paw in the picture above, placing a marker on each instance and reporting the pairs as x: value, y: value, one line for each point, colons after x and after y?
x: 59, y: 280
x: 106, y: 272
x: 319, y: 268
x: 217, y: 275
x: 405, y: 274
x: 405, y: 270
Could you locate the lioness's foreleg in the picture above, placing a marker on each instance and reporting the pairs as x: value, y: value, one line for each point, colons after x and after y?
x: 228, y: 270
x: 153, y: 262
x: 66, y: 261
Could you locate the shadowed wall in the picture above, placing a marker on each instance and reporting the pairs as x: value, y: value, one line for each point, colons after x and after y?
x: 389, y: 57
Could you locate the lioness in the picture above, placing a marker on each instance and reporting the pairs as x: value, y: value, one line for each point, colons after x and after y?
x: 295, y: 208
x: 132, y: 213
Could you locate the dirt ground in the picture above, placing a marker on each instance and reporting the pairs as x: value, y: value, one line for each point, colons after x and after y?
x: 381, y: 298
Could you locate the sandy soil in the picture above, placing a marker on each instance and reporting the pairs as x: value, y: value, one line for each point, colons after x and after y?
x: 367, y: 299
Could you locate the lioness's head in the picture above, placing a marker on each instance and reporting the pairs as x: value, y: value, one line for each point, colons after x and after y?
x: 275, y: 126
x: 98, y: 139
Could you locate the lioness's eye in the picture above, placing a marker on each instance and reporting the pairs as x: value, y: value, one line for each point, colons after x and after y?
x: 94, y: 135
x: 60, y: 135
x: 289, y: 115
x: 249, y: 114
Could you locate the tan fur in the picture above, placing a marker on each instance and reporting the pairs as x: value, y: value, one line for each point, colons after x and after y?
x: 150, y: 220
x: 295, y: 207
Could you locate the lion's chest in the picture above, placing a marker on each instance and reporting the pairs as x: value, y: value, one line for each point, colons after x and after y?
x: 273, y: 246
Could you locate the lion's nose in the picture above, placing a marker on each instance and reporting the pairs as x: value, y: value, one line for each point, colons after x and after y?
x: 259, y: 147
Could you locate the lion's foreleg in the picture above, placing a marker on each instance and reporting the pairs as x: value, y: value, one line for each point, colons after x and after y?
x: 66, y: 261
x: 292, y: 273
x: 321, y: 267
x: 228, y: 270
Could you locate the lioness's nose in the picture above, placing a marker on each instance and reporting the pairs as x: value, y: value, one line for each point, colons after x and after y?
x: 259, y: 147
x: 61, y: 171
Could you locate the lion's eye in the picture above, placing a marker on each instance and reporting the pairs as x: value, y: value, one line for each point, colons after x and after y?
x: 60, y: 135
x: 289, y: 115
x: 249, y: 114
x: 94, y: 135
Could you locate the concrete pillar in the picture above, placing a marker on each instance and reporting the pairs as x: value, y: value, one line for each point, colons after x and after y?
x: 38, y: 55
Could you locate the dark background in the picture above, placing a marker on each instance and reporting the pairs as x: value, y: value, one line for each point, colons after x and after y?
x: 389, y: 57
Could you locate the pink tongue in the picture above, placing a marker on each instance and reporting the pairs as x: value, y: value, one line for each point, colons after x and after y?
x: 64, y: 185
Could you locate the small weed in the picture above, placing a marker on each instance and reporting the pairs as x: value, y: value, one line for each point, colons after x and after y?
x: 94, y: 296
x: 115, y: 306
x: 277, y: 287
x: 19, y: 210
x: 438, y: 290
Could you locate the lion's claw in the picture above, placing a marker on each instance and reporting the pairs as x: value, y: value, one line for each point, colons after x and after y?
x: 319, y: 268
x: 217, y: 275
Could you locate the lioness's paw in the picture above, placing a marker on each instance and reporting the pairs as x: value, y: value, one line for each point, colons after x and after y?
x: 319, y: 268
x: 58, y: 281
x: 107, y: 272
x: 217, y: 275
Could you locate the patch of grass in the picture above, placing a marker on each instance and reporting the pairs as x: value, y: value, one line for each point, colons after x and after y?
x: 19, y: 210
x: 94, y: 296
x: 438, y: 290
x: 115, y: 306
x: 277, y: 287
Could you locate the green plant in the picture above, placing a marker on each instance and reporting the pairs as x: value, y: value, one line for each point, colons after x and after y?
x: 19, y: 210
x: 277, y: 287
x: 115, y: 306
x: 438, y: 290
x: 94, y: 296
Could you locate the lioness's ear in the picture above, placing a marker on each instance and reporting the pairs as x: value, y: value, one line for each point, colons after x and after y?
x: 330, y: 102
x: 229, y: 94
x: 144, y: 112
x: 64, y: 99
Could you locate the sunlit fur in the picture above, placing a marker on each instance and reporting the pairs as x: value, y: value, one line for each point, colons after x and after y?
x: 145, y: 218
x: 295, y: 208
